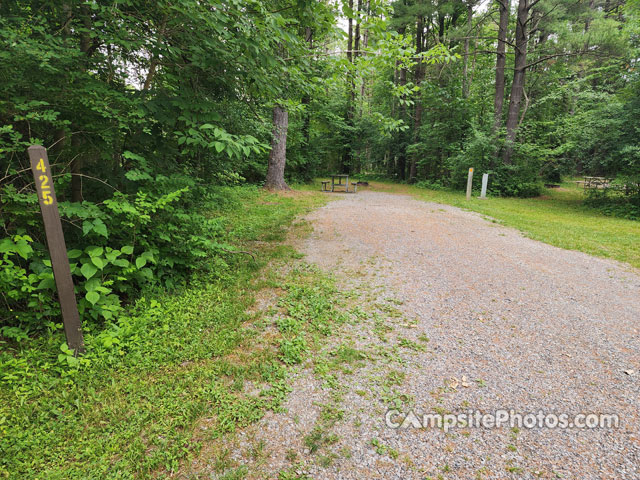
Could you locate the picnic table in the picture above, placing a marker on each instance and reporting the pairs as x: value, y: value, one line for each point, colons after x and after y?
x: 336, y: 181
x: 595, y: 182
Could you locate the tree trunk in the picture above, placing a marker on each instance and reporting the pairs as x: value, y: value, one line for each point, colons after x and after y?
x: 347, y: 153
x: 306, y: 99
x: 356, y: 39
x: 365, y: 44
x: 413, y: 168
x: 419, y: 76
x: 517, y: 87
x: 77, y: 165
x: 501, y: 61
x: 278, y: 154
x: 155, y: 59
x: 587, y: 22
x: 354, y: 166
x: 402, y: 157
x: 465, y: 69
x: 350, y: 38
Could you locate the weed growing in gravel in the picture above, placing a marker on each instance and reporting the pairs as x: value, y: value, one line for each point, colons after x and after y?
x: 411, y: 345
x: 293, y: 350
x: 394, y: 377
x: 395, y: 301
x: 319, y: 437
x: 394, y: 399
x: 382, y: 449
x: 347, y: 354
x: 292, y: 474
x: 513, y: 468
x: 381, y: 328
x: 357, y: 315
x: 327, y: 460
x: 336, y: 360
x: 390, y: 311
x: 235, y: 474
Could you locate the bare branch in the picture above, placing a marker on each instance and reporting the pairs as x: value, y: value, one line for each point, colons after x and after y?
x: 557, y: 55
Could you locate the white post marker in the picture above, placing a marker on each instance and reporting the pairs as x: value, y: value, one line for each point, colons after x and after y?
x: 485, y: 181
x: 469, y: 183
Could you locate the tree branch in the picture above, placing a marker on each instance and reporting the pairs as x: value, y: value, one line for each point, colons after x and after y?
x: 549, y: 57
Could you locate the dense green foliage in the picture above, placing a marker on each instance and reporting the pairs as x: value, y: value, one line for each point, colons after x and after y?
x: 157, y: 117
x: 578, y: 116
x: 144, y: 107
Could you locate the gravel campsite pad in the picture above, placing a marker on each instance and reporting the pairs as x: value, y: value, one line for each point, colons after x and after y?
x: 458, y: 314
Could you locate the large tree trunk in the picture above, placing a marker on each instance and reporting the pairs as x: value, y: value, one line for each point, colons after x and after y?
x: 587, y: 22
x: 350, y: 34
x: 354, y: 164
x: 155, y: 58
x: 517, y: 87
x: 501, y: 61
x: 77, y: 165
x: 467, y: 38
x: 306, y: 99
x: 419, y: 76
x: 365, y: 44
x: 413, y: 167
x: 278, y: 155
x: 347, y: 153
x: 356, y: 38
x: 402, y: 158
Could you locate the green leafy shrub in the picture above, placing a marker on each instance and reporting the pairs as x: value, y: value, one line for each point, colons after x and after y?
x: 521, y: 179
x: 621, y: 201
x: 153, y: 236
x: 430, y: 184
x: 514, y: 181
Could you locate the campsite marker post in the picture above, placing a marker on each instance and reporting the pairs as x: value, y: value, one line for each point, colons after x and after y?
x: 485, y: 181
x: 57, y: 248
x: 469, y: 183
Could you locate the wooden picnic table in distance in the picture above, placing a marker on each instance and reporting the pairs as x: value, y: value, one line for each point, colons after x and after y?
x: 339, y: 184
x: 595, y: 182
x: 336, y: 181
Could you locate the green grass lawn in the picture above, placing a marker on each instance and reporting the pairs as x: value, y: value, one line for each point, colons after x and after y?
x: 558, y: 218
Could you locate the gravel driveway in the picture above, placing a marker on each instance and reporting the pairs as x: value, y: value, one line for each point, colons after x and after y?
x: 464, y: 315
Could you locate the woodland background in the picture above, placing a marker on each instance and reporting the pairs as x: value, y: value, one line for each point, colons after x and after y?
x: 152, y: 111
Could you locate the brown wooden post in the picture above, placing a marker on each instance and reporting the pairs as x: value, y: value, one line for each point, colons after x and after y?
x: 57, y: 248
